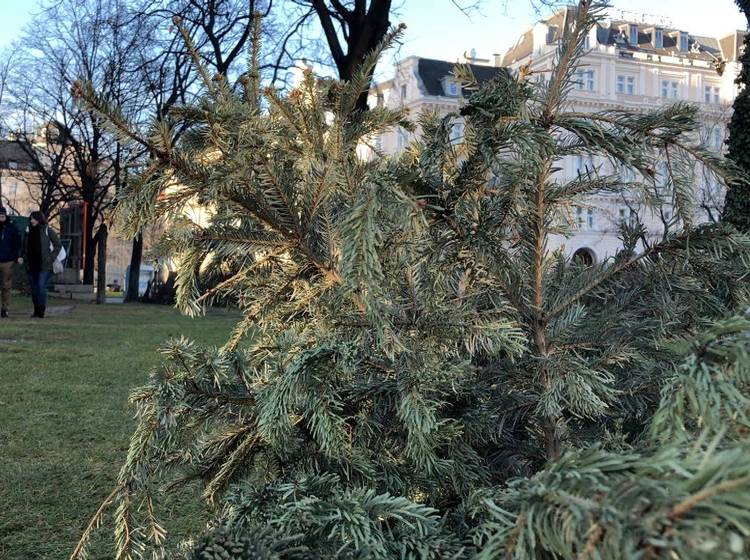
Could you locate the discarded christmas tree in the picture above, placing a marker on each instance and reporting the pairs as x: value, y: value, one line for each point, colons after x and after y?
x: 416, y: 375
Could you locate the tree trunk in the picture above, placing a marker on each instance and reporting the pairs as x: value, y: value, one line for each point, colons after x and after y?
x: 101, y: 264
x: 131, y: 290
x: 364, y: 29
x: 90, y: 249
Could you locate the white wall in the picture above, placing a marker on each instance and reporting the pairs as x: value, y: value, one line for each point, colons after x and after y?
x: 607, y: 64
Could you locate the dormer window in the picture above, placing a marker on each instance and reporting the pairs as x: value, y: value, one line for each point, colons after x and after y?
x: 633, y: 35
x: 658, y: 38
x: 450, y: 87
x: 683, y: 41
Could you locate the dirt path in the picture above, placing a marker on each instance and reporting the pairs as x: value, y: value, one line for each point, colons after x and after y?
x: 52, y: 311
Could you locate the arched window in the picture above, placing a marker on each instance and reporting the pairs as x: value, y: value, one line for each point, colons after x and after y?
x: 584, y: 256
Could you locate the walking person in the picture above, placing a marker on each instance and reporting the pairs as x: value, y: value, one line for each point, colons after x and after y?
x: 10, y: 253
x: 42, y: 247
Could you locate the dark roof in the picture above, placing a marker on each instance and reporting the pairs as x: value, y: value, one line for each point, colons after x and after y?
x: 431, y: 73
x: 12, y: 151
x: 711, y: 48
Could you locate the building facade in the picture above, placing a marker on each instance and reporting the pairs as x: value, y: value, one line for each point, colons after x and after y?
x: 21, y: 184
x: 629, y: 65
x: 18, y: 176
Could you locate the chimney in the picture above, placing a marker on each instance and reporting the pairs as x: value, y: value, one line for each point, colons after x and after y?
x: 498, y: 58
x: 539, y: 35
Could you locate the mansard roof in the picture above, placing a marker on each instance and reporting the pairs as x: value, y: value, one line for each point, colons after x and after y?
x: 432, y: 72
x: 616, y: 33
x: 13, y: 151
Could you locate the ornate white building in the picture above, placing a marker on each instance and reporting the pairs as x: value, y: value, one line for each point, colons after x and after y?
x: 627, y: 65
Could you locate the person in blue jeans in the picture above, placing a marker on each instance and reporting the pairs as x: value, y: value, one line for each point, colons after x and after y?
x: 42, y: 248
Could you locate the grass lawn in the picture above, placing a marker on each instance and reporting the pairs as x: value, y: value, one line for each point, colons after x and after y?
x: 65, y: 422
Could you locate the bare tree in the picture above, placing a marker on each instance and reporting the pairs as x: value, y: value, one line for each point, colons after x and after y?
x: 68, y: 41
x: 49, y: 177
x: 220, y: 30
x: 6, y: 63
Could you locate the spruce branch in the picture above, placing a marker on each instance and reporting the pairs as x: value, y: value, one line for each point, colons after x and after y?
x: 595, y: 536
x: 194, y: 54
x: 84, y: 91
x: 689, y: 503
x: 80, y: 551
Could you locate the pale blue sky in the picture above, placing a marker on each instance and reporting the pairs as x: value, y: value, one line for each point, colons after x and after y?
x: 437, y: 29
x: 14, y: 14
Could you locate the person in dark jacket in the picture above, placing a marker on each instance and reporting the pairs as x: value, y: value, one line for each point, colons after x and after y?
x: 10, y: 253
x: 42, y: 248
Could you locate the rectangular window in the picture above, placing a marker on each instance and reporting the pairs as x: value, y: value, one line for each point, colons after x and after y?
x: 12, y: 165
x: 683, y: 42
x: 711, y: 94
x: 658, y: 39
x: 627, y: 174
x: 401, y: 138
x: 584, y: 164
x: 626, y: 85
x: 586, y: 42
x: 584, y: 219
x: 457, y: 132
x: 633, y: 36
x: 663, y: 180
x: 403, y: 92
x: 718, y: 140
x: 630, y: 216
x: 670, y: 89
x: 585, y: 80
